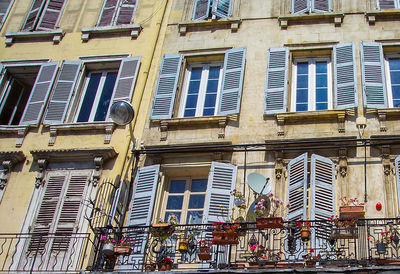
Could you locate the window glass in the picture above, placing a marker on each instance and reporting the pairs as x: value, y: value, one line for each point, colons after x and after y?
x: 302, y: 87
x: 394, y: 66
x: 177, y: 187
x: 321, y: 87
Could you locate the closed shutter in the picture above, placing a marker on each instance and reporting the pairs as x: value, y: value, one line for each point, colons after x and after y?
x: 373, y: 76
x: 107, y: 13
x: 51, y: 14
x: 300, y: 6
x: 276, y: 80
x: 33, y: 15
x: 221, y: 181
x: 397, y: 171
x: 386, y: 4
x: 222, y: 8
x: 126, y: 12
x: 321, y: 5
x: 201, y: 9
x: 232, y: 81
x: 39, y: 94
x: 297, y: 188
x: 5, y: 6
x: 62, y: 92
x: 164, y: 96
x: 345, y: 76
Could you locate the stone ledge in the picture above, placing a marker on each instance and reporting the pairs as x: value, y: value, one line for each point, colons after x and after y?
x: 185, y: 27
x: 336, y: 18
x: 373, y: 16
x: 88, y: 33
x: 54, y: 35
x: 19, y: 130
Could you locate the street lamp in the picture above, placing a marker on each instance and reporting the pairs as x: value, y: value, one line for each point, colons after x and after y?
x: 122, y: 112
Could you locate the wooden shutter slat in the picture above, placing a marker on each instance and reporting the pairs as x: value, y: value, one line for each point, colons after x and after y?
x: 297, y: 188
x: 107, y: 13
x: 51, y: 14
x: 386, y: 4
x: 201, y: 9
x: 300, y: 6
x: 33, y: 15
x: 222, y: 8
x: 126, y: 12
x: 321, y: 5
x: 232, y: 81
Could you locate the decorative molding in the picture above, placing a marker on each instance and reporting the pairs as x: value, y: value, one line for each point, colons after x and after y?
x: 8, y: 159
x: 53, y: 136
x: 109, y: 131
x: 222, y: 126
x: 76, y: 154
x: 21, y: 136
x: 232, y: 23
x: 5, y: 173
x: 336, y: 18
x: 280, y: 120
x: 382, y: 120
x: 42, y: 163
x: 53, y: 35
x: 98, y: 162
x: 385, y: 155
x: 279, y: 165
x: 20, y: 131
x: 341, y: 122
x: 133, y: 30
x: 384, y: 15
x: 343, y: 162
x: 163, y: 130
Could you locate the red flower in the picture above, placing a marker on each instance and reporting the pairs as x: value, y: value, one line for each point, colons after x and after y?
x: 388, y: 232
x: 382, y: 233
x: 168, y: 260
x: 311, y: 250
x: 213, y: 242
x: 298, y: 223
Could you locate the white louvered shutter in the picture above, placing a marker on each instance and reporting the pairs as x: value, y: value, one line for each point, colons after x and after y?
x: 373, y: 75
x: 107, y: 13
x: 39, y: 94
x: 33, y: 15
x: 201, y: 9
x: 321, y: 5
x: 345, y: 76
x: 62, y: 92
x: 164, y: 96
x: 126, y: 79
x: 221, y: 181
x: 276, y: 80
x: 297, y: 188
x: 5, y: 6
x: 126, y: 12
x: 51, y: 14
x: 300, y: 6
x: 232, y: 81
x: 397, y: 171
x: 222, y: 8
x: 387, y: 4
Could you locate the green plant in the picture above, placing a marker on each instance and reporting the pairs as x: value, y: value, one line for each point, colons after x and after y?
x: 261, y: 208
x: 350, y: 201
x: 349, y: 221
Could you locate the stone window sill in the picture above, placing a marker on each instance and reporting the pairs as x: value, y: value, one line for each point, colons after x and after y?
x: 383, y: 113
x: 373, y: 16
x: 302, y: 116
x: 54, y: 35
x: 88, y: 33
x: 231, y: 23
x: 164, y: 124
x: 336, y: 18
x: 19, y: 130
x: 108, y: 128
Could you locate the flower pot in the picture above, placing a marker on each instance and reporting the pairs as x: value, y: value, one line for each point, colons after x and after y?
x: 164, y: 266
x: 150, y: 267
x: 269, y: 222
x: 311, y: 263
x: 344, y: 233
x: 204, y: 256
x: 183, y: 246
x: 162, y: 230
x: 262, y: 262
x: 381, y: 248
x: 238, y: 201
x: 122, y: 250
x: 346, y: 211
x: 108, y: 249
x: 305, y: 233
x: 225, y: 238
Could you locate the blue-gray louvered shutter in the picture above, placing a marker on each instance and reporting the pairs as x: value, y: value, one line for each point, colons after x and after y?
x: 222, y: 8
x: 33, y: 15
x: 39, y: 94
x: 397, y: 171
x: 232, y: 81
x: 164, y: 96
x: 126, y: 12
x: 221, y: 181
x: 297, y: 188
x: 5, y: 6
x: 126, y: 79
x: 62, y: 92
x: 373, y: 75
x: 275, y: 96
x: 300, y: 6
x: 345, y: 76
x: 107, y: 13
x: 321, y: 5
x: 51, y: 15
x: 201, y: 9
x: 386, y: 4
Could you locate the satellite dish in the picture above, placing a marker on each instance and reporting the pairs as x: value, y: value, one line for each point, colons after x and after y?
x: 258, y: 183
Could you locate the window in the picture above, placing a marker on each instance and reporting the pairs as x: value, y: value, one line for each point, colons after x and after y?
x: 209, y: 88
x: 201, y: 90
x: 97, y: 86
x: 43, y: 15
x: 117, y: 12
x: 5, y: 6
x: 387, y: 4
x: 393, y: 82
x: 311, y: 88
x: 212, y: 9
x: 308, y: 6
x: 24, y: 91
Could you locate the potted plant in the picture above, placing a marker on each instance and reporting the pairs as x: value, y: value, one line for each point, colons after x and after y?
x: 225, y: 234
x: 351, y: 206
x: 108, y: 245
x: 204, y: 253
x: 268, y: 218
x: 124, y: 247
x: 183, y: 245
x: 382, y: 242
x: 305, y: 231
x: 344, y: 228
x: 310, y: 259
x: 238, y: 197
x: 164, y: 229
x: 165, y: 264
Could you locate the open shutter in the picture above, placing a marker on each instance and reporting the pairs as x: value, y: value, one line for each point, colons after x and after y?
x: 276, y: 81
x: 62, y: 92
x: 70, y: 210
x: 297, y: 188
x: 5, y: 6
x: 232, y: 81
x: 373, y: 76
x: 321, y: 5
x: 51, y: 14
x: 33, y: 15
x: 221, y: 181
x: 201, y: 9
x: 222, y: 8
x: 164, y: 96
x: 345, y: 76
x: 39, y: 93
x: 397, y: 171
x: 107, y: 13
x: 300, y: 6
x: 126, y: 12
x: 126, y: 79
x: 386, y: 4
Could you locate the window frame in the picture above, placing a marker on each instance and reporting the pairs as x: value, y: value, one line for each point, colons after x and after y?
x: 6, y: 13
x: 388, y: 82
x: 202, y: 89
x: 115, y: 14
x: 40, y: 16
x: 311, y: 82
